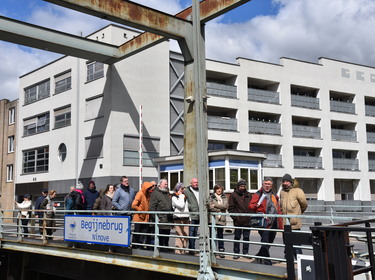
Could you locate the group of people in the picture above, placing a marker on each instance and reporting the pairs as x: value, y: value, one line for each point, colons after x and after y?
x: 184, y: 204
x: 292, y: 201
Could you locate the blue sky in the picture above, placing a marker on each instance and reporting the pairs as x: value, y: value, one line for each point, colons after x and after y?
x: 260, y: 29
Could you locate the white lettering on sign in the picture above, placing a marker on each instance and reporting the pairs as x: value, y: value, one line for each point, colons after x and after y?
x: 107, y: 230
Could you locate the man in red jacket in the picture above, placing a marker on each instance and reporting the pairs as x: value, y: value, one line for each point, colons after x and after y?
x: 265, y: 201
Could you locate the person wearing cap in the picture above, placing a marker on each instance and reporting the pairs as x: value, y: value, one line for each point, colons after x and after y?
x: 238, y: 203
x: 39, y: 214
x: 293, y: 202
x: 180, y: 217
x: 267, y: 202
x: 25, y: 207
x: 219, y: 204
x: 141, y: 203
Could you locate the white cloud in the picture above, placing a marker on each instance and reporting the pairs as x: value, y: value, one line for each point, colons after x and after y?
x: 302, y: 29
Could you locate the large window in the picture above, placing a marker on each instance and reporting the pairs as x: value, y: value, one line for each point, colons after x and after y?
x: 11, y: 144
x: 12, y: 115
x: 62, y: 117
x: 36, y: 124
x: 95, y: 70
x: 94, y: 146
x: 150, y: 150
x: 35, y: 160
x: 248, y: 174
x: 10, y: 173
x: 37, y: 92
x: 93, y: 106
x: 63, y: 82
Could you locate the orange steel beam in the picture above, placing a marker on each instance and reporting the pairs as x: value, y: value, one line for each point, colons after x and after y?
x: 209, y: 9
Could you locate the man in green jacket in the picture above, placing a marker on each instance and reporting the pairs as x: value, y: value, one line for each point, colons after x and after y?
x: 192, y: 197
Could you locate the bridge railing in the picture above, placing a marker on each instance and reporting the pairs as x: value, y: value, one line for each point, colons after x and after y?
x: 47, y: 233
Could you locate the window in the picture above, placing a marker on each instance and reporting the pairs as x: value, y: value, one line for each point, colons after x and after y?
x: 12, y: 115
x: 11, y: 144
x: 37, y: 92
x: 150, y: 150
x: 10, y: 173
x: 36, y: 124
x: 63, y: 82
x: 94, y: 146
x: 62, y: 152
x: 95, y: 70
x: 35, y: 160
x: 93, y: 106
x: 62, y: 117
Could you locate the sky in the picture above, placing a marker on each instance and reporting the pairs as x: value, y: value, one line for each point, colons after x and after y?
x: 263, y: 30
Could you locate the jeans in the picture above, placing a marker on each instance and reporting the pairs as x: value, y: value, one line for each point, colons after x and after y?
x: 267, y: 237
x: 237, y: 236
x: 193, y: 231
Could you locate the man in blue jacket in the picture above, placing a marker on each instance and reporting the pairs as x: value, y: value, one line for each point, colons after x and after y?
x: 124, y: 196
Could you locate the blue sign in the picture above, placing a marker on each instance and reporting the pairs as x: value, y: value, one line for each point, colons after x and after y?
x: 106, y: 230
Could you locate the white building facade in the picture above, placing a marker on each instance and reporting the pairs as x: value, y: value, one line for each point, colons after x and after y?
x: 79, y: 120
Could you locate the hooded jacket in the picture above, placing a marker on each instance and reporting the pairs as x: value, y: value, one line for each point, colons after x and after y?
x: 293, y: 202
x: 141, y: 202
x: 238, y: 203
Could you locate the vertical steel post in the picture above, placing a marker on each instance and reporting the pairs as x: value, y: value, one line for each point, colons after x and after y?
x: 195, y: 137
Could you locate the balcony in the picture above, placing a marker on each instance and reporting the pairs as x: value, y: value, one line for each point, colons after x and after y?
x: 342, y: 107
x: 370, y: 137
x: 305, y: 101
x: 308, y: 162
x: 306, y: 131
x: 264, y: 127
x: 345, y: 164
x: 221, y: 90
x: 344, y: 135
x: 221, y: 123
x: 370, y: 110
x: 273, y: 160
x: 371, y: 165
x: 265, y: 96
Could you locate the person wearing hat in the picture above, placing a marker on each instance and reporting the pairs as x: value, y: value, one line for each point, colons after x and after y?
x: 39, y: 214
x: 238, y: 203
x: 25, y: 207
x: 293, y: 202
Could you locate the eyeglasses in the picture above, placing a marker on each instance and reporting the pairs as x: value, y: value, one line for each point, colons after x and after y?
x: 154, y: 185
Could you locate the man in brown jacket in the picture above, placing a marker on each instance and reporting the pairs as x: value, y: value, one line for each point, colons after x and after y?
x: 293, y: 202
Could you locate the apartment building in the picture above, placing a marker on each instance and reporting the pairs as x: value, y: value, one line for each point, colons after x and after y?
x: 80, y: 120
x: 8, y: 144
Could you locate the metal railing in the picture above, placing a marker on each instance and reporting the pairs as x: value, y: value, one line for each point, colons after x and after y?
x: 342, y: 107
x: 11, y: 229
x: 221, y: 123
x: 344, y: 135
x: 370, y: 110
x: 305, y: 101
x: 264, y: 127
x: 273, y: 160
x: 265, y: 96
x: 345, y: 164
x: 306, y: 131
x: 308, y: 162
x: 221, y: 90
